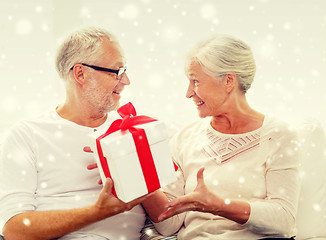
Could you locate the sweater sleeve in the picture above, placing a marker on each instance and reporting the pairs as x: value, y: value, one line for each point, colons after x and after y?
x: 172, y: 191
x: 18, y: 174
x: 275, y: 215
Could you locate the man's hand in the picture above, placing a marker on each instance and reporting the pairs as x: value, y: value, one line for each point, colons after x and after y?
x: 92, y: 165
x: 108, y: 205
x: 57, y: 223
x: 106, y: 193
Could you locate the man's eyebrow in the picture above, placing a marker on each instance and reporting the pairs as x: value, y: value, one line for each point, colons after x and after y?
x: 120, y: 64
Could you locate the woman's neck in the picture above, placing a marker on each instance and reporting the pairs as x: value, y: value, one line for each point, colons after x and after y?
x: 238, y: 118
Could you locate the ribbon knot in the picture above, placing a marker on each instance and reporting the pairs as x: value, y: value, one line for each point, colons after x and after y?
x: 129, y: 119
x: 125, y: 123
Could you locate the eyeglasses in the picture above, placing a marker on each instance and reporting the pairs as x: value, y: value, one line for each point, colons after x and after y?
x: 120, y: 72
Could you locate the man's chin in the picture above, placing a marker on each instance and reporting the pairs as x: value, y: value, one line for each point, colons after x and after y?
x: 112, y: 107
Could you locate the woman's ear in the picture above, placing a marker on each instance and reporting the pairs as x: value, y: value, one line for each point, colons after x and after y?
x: 79, y: 73
x: 230, y: 81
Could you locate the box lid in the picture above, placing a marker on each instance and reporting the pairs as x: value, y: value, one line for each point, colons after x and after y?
x: 121, y: 143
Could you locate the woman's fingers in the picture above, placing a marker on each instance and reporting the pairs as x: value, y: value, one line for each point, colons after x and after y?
x: 173, y: 211
x: 200, y: 177
x: 178, y: 201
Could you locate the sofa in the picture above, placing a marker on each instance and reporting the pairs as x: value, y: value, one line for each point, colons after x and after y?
x: 311, y: 217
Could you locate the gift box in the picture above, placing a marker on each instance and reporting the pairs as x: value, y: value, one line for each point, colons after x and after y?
x: 134, y: 152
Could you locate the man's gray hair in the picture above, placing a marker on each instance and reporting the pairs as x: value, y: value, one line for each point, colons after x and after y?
x: 82, y: 46
x: 222, y: 54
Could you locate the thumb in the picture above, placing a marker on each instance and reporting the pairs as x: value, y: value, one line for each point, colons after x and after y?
x: 200, y: 177
x: 107, y: 188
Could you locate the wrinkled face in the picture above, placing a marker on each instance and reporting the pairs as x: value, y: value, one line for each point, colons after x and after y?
x: 102, y: 90
x: 208, y: 94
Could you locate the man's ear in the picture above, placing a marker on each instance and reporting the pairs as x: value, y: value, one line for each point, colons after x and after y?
x: 79, y: 73
x: 230, y: 81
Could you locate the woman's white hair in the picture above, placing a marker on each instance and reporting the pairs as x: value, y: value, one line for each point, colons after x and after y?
x: 221, y: 54
x: 82, y: 46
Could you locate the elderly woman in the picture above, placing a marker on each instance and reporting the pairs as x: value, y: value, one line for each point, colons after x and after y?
x: 238, y: 168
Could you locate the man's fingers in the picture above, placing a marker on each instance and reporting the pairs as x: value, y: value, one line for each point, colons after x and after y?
x: 139, y: 200
x: 87, y: 149
x: 92, y: 166
x: 108, y: 186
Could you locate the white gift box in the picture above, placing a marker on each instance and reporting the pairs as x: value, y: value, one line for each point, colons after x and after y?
x: 124, y: 165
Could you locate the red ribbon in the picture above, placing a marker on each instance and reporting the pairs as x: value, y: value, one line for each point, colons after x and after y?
x: 128, y: 121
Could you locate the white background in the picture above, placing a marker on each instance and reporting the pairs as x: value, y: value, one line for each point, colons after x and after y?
x: 288, y: 38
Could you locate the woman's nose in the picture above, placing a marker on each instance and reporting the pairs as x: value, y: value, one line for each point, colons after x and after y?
x: 190, y: 92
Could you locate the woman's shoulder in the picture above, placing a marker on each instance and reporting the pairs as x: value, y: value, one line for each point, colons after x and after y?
x: 196, y: 127
x: 278, y: 128
x: 191, y: 131
x: 276, y: 124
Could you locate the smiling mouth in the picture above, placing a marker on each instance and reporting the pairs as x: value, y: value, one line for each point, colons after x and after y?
x: 199, y: 103
x: 116, y: 92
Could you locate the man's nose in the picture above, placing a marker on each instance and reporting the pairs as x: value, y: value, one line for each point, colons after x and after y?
x: 125, y: 79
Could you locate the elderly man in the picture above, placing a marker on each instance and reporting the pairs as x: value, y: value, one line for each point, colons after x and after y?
x: 46, y: 190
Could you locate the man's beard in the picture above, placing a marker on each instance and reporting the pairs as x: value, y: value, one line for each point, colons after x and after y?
x: 99, y: 98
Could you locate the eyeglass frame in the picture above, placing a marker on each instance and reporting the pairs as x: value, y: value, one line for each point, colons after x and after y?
x: 116, y: 71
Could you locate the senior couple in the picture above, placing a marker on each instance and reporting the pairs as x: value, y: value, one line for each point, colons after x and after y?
x: 237, y: 168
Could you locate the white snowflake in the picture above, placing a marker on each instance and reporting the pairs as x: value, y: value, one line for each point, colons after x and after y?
x: 51, y: 158
x: 287, y: 26
x: 26, y: 222
x: 242, y: 180
x: 84, y: 12
x: 58, y: 134
x: 315, y: 73
x: 23, y: 27
x: 227, y: 201
x: 208, y: 11
x: 39, y: 9
x: 316, y: 207
x: 155, y: 81
x: 129, y: 11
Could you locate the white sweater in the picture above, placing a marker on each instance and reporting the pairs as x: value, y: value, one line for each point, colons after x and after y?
x: 43, y: 167
x: 260, y: 167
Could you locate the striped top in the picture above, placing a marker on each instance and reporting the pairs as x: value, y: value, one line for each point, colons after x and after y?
x: 223, y: 148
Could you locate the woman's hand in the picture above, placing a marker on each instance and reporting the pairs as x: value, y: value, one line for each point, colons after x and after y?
x: 201, y: 199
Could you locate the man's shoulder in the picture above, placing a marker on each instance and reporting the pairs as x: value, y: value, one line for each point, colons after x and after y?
x: 37, y: 121
x: 47, y: 115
